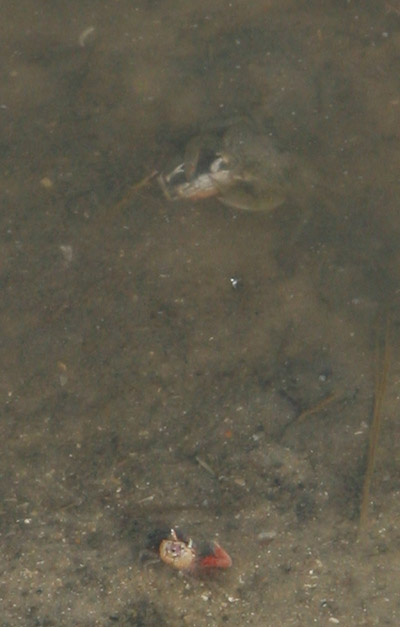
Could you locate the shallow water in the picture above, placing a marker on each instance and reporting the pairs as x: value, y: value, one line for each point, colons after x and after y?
x: 185, y: 363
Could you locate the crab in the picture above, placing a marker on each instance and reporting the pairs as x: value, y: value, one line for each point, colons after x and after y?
x: 177, y: 553
x: 238, y: 164
x: 176, y: 185
x: 181, y: 553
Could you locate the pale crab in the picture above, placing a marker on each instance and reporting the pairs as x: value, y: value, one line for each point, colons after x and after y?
x: 239, y: 165
x: 177, y: 553
x: 180, y: 552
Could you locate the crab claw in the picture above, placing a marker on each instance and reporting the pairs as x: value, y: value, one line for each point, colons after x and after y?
x: 217, y: 557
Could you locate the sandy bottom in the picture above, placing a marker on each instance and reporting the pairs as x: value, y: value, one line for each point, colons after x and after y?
x: 186, y: 364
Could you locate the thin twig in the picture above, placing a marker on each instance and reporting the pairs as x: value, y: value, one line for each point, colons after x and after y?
x: 314, y: 410
x: 132, y: 191
x: 382, y: 369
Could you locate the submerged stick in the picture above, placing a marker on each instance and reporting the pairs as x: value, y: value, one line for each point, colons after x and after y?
x: 382, y: 369
x: 132, y: 191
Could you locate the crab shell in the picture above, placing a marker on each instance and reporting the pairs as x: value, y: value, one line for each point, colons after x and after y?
x: 178, y: 554
x: 182, y: 555
x: 201, y: 186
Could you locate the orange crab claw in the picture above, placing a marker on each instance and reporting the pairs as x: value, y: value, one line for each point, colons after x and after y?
x: 218, y: 558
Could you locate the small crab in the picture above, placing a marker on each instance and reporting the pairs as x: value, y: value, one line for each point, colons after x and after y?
x: 238, y: 164
x: 182, y: 554
x: 203, y: 172
x: 176, y: 185
x: 177, y: 553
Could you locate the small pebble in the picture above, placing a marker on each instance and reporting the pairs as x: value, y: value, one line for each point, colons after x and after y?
x: 265, y: 537
x: 46, y: 182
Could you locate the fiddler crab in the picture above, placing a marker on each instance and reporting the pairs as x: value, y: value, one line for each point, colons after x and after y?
x: 188, y: 183
x: 238, y: 164
x: 184, y: 555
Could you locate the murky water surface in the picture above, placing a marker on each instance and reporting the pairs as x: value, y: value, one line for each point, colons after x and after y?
x: 186, y: 363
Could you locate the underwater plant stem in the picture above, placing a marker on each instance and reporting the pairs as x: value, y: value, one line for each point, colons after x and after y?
x: 382, y: 369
